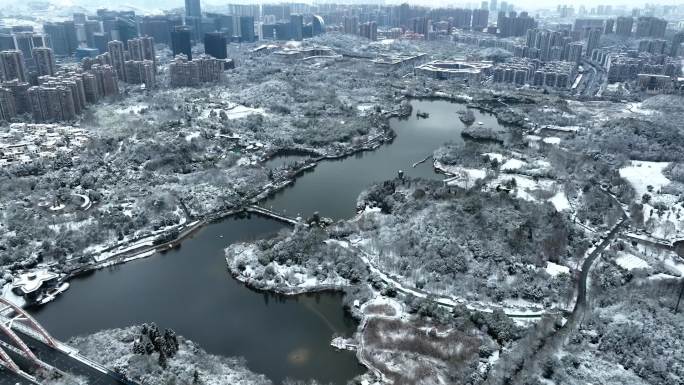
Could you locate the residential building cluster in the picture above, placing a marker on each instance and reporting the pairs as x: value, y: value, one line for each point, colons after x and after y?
x: 137, y: 64
x: 54, y: 95
x: 521, y: 71
x: 627, y: 66
x: 191, y: 73
x: 514, y: 24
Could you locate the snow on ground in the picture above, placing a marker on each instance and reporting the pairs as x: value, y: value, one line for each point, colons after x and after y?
x: 638, y: 109
x: 135, y: 109
x: 675, y: 266
x: 560, y: 201
x: 386, y: 41
x: 461, y: 176
x: 71, y: 225
x: 552, y: 140
x: 10, y: 296
x: 235, y: 111
x: 393, y: 304
x: 513, y: 164
x: 494, y: 155
x: 524, y: 185
x: 132, y: 246
x: 525, y: 188
x: 141, y: 255
x: 554, y: 269
x: 86, y: 201
x: 641, y: 174
x: 57, y: 208
x: 365, y: 107
x: 630, y: 261
x: 662, y: 276
x: 191, y: 136
x: 465, y: 177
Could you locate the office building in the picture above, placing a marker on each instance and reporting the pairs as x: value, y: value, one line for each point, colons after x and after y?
x: 247, y: 29
x: 193, y: 8
x: 677, y: 41
x: 126, y: 29
x: 317, y: 25
x: 181, y: 42
x: 215, y: 45
x: 62, y: 36
x: 296, y: 27
x: 90, y: 28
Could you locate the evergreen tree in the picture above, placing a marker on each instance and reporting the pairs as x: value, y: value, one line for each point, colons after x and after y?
x: 163, y: 362
x: 138, y: 347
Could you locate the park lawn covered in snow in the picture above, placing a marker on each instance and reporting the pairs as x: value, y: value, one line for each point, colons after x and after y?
x: 641, y: 174
x: 554, y: 269
x: 629, y: 261
x: 532, y: 189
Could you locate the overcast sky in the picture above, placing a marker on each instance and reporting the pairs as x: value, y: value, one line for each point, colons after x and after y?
x: 531, y: 5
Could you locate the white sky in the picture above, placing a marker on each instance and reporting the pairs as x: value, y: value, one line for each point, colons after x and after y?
x: 530, y: 5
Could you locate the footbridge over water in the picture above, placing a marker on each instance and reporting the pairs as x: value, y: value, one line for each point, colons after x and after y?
x: 26, y: 348
x: 275, y: 215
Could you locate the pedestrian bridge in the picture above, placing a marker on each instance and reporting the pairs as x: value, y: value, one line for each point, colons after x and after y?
x: 275, y: 215
x: 27, y: 348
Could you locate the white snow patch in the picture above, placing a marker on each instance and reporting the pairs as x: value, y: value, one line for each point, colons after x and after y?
x: 513, y: 164
x: 461, y: 176
x: 560, y: 201
x: 641, y: 174
x: 191, y: 136
x: 554, y: 269
x: 493, y: 155
x: 10, y: 296
x: 630, y: 261
x: 135, y: 109
x: 552, y: 140
x: 674, y: 265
